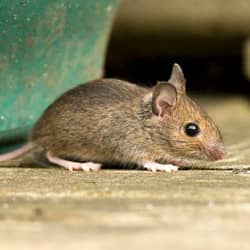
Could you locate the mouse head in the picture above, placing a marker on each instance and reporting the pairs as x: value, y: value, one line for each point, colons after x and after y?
x: 189, y: 131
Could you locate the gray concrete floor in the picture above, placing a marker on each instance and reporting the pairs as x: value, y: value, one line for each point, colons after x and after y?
x: 51, y: 208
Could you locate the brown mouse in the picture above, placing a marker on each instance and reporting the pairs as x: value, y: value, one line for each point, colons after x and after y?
x: 113, y: 121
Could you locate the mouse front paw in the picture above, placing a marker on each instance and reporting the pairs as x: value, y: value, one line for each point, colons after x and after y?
x: 153, y: 166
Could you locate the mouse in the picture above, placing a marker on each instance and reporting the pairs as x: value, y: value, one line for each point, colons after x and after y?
x: 111, y: 121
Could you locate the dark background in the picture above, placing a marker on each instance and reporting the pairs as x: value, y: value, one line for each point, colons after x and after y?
x: 207, y: 74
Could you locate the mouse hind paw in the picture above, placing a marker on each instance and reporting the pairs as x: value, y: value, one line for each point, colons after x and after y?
x: 72, y: 165
x: 86, y: 166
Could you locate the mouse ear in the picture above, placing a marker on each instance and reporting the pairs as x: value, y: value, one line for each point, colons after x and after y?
x: 164, y: 99
x: 177, y: 78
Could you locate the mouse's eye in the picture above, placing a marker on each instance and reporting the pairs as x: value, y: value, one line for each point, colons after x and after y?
x: 191, y: 129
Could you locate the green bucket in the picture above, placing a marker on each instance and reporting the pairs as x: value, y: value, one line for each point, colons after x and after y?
x: 47, y: 47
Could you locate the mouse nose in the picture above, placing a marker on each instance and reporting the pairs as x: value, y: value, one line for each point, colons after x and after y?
x: 215, y: 151
x: 219, y: 153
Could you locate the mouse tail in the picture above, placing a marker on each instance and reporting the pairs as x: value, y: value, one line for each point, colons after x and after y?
x: 16, y: 153
x: 26, y: 155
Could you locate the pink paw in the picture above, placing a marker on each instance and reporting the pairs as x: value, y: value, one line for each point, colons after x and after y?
x: 72, y: 165
x: 153, y: 166
x: 87, y: 166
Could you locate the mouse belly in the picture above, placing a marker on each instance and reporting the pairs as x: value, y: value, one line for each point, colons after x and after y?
x: 75, y: 158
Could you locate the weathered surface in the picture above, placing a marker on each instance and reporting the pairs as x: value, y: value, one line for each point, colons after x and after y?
x: 55, y: 209
x: 51, y: 208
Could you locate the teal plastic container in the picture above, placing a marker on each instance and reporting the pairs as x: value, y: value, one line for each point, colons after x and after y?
x: 47, y: 47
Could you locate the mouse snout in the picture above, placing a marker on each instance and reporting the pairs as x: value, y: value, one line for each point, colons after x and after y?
x: 215, y: 151
x: 219, y: 153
